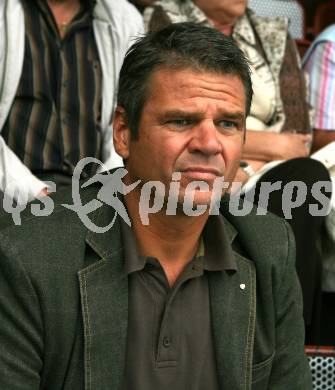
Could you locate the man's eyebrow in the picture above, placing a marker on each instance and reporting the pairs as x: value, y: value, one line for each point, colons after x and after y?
x: 180, y: 114
x: 238, y: 115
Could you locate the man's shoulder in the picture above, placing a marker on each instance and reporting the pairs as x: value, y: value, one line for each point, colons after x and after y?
x: 250, y: 219
x: 52, y: 250
x: 261, y: 236
x: 60, y: 230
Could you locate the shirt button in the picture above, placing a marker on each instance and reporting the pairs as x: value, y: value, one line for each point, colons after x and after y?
x: 65, y: 83
x: 150, y: 267
x: 166, y: 342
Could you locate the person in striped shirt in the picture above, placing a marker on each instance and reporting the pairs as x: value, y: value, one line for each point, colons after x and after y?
x: 319, y: 63
x: 59, y: 66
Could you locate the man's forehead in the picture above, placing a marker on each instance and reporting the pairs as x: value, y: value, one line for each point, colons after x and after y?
x: 187, y: 85
x: 191, y: 78
x: 179, y: 73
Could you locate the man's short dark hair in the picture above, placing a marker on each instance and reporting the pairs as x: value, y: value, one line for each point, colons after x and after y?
x: 177, y: 46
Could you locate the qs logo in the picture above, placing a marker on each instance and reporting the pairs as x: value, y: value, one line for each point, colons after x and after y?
x: 112, y: 185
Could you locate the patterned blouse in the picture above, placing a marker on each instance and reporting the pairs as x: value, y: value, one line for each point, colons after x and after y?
x: 279, y: 101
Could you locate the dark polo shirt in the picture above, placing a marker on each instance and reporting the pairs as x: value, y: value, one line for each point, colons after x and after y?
x: 170, y: 344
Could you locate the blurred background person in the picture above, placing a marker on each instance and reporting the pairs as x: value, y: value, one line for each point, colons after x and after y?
x: 319, y: 63
x: 60, y: 61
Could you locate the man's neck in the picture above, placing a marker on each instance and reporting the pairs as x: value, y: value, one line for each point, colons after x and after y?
x: 226, y: 29
x: 172, y: 239
x: 64, y: 11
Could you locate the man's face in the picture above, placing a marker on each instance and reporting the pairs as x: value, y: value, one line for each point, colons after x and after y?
x: 192, y: 123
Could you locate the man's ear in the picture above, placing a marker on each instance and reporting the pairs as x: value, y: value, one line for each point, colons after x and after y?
x: 121, y: 132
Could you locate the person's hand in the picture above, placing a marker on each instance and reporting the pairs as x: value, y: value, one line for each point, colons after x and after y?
x: 241, y: 177
x: 44, y: 192
x: 293, y: 145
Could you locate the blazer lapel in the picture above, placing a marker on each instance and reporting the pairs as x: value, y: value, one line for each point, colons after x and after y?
x: 233, y: 309
x: 104, y: 302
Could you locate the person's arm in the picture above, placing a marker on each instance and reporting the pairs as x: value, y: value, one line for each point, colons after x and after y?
x: 290, y: 369
x: 128, y: 25
x: 321, y: 69
x: 266, y: 146
x: 21, y: 327
x: 262, y: 147
x: 16, y: 178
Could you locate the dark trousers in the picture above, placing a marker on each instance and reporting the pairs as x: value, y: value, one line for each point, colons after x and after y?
x: 306, y: 229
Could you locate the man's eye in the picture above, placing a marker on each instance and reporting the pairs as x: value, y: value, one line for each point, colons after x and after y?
x: 180, y: 122
x: 227, y: 124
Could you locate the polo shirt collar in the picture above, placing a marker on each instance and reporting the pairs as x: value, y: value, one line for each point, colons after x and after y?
x: 218, y: 253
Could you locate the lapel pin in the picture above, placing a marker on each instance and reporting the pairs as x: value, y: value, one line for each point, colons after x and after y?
x: 242, y: 286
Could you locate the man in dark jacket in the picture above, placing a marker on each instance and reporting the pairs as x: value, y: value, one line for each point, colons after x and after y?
x: 174, y: 294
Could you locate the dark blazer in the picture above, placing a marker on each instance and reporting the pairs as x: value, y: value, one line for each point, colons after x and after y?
x: 64, y: 297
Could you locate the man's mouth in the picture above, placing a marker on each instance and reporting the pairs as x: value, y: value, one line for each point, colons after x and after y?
x: 201, y: 173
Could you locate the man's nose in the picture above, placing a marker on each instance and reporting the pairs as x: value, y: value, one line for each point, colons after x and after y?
x: 205, y: 139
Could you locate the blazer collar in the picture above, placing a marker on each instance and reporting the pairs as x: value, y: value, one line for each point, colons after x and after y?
x: 104, y: 303
x: 104, y: 244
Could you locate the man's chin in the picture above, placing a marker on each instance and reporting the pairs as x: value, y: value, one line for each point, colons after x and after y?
x: 197, y: 204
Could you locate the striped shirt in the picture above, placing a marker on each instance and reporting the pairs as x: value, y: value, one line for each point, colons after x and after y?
x: 321, y: 69
x: 55, y: 117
